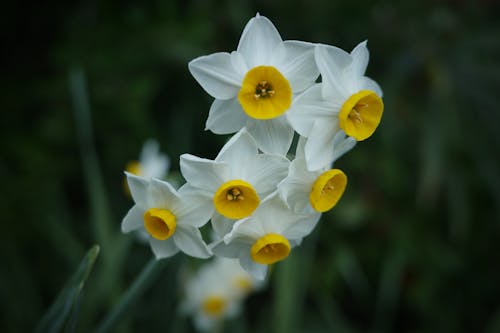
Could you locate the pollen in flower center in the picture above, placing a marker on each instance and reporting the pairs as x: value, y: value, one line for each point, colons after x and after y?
x: 265, y: 93
x: 270, y: 249
x: 236, y: 199
x: 214, y: 306
x: 327, y: 190
x: 360, y: 114
x: 264, y: 90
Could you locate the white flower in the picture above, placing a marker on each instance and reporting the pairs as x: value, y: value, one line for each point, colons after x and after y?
x: 236, y: 181
x: 171, y: 218
x: 346, y: 99
x: 216, y: 292
x: 315, y: 191
x: 152, y: 163
x: 253, y: 86
x: 266, y: 237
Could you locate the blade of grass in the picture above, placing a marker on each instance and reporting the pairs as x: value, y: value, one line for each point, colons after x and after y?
x: 68, y: 298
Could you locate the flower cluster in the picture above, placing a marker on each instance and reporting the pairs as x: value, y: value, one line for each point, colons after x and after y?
x: 260, y: 196
x: 216, y: 292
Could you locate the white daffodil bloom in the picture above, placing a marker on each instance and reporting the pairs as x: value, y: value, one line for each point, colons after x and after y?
x: 171, y: 218
x: 266, y: 237
x: 254, y: 85
x: 315, y: 191
x: 345, y: 99
x: 216, y: 292
x: 236, y: 181
x: 152, y: 163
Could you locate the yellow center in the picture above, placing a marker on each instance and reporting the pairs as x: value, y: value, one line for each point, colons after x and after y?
x: 236, y: 199
x: 243, y: 284
x: 327, y: 190
x: 270, y: 249
x: 159, y: 223
x: 361, y: 114
x: 133, y: 167
x: 265, y: 93
x: 214, y: 306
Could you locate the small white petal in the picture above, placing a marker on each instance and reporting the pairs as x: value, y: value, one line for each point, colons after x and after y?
x: 138, y: 189
x: 360, y: 57
x: 295, y: 188
x: 295, y: 60
x: 273, y: 136
x: 256, y: 270
x: 162, y: 195
x: 332, y: 63
x: 319, y: 145
x: 194, y: 210
x: 342, y: 144
x: 163, y: 249
x: 189, y: 241
x: 266, y: 171
x: 221, y: 224
x: 368, y: 84
x: 153, y: 163
x: 231, y: 250
x: 258, y: 40
x: 215, y: 73
x: 302, y: 227
x: 225, y: 116
x: 309, y: 106
x: 203, y: 173
x: 133, y: 220
x: 238, y: 149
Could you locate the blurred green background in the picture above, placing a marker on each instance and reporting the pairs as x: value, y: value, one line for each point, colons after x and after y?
x: 414, y: 244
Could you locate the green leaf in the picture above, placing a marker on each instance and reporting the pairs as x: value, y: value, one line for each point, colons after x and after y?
x: 68, y: 299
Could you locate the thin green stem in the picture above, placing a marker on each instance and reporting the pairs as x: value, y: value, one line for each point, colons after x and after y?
x: 136, y: 289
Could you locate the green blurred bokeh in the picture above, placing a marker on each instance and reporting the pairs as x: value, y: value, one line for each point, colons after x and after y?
x: 413, y: 246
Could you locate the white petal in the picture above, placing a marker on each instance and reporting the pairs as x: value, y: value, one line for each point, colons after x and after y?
x: 162, y: 195
x: 332, y: 62
x: 133, y: 220
x: 216, y: 74
x: 295, y: 188
x: 295, y: 60
x: 225, y: 116
x: 153, y: 163
x: 258, y: 40
x: 245, y: 230
x: 194, y: 210
x: 189, y: 241
x: 138, y: 189
x: 203, y: 173
x: 302, y: 227
x: 309, y: 106
x: 256, y: 270
x: 272, y: 136
x: 319, y: 145
x: 222, y: 225
x: 342, y: 144
x: 264, y: 172
x: 231, y: 250
x: 369, y: 84
x: 238, y: 149
x: 163, y: 249
x: 360, y: 57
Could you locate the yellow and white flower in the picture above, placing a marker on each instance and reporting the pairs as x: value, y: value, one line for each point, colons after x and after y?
x: 236, y: 181
x: 216, y: 292
x: 315, y: 191
x: 345, y: 99
x: 253, y: 86
x: 266, y: 237
x: 152, y: 163
x: 171, y: 218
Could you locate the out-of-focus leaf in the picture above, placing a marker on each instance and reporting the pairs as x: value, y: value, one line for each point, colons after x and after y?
x: 68, y: 299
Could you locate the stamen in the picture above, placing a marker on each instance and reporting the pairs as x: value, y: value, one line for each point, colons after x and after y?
x: 355, y: 115
x: 263, y: 90
x: 234, y: 194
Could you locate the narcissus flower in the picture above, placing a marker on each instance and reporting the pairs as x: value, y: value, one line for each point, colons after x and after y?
x: 319, y: 190
x: 236, y: 181
x: 151, y: 164
x: 254, y: 85
x: 216, y: 292
x: 345, y: 99
x: 266, y: 237
x: 171, y: 218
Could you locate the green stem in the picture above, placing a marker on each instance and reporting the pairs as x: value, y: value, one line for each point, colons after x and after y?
x: 136, y: 289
